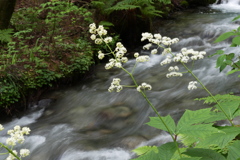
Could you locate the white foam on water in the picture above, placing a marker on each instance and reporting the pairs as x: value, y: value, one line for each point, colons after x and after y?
x: 103, y: 154
x: 23, y: 121
x: 228, y: 6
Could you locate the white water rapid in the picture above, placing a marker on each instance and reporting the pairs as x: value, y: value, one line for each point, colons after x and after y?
x: 228, y: 6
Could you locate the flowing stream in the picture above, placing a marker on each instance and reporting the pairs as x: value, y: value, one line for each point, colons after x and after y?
x: 86, y: 122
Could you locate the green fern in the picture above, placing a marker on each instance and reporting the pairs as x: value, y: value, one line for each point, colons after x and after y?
x: 220, y: 98
x: 6, y: 35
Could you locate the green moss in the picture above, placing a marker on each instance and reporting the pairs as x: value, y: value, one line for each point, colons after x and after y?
x: 184, y: 4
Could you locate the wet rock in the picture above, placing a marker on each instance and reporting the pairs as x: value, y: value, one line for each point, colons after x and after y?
x: 45, y: 103
x: 115, y: 112
x: 132, y: 142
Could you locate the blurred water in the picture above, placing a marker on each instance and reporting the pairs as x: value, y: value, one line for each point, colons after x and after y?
x: 78, y: 127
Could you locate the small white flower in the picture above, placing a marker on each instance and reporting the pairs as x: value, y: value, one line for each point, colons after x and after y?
x: 157, y: 36
x: 147, y: 46
x: 166, y: 51
x: 142, y: 58
x: 11, y: 141
x: 124, y: 59
x: 166, y: 61
x: 118, y: 64
x: 24, y: 152
x: 93, y: 37
x: 154, y: 51
x: 101, y: 56
x: 192, y: 85
x: 98, y: 41
x: 146, y: 35
x: 144, y: 86
x: 136, y: 54
x: 107, y: 39
x: 1, y: 127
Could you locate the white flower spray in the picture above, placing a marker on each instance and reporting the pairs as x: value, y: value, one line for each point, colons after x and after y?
x: 16, y: 136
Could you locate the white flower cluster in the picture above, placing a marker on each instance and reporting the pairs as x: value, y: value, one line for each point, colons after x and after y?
x: 192, y: 85
x: 16, y: 136
x: 187, y: 54
x: 144, y: 86
x: 173, y: 72
x: 157, y: 39
x: 115, y: 85
x: 119, y: 51
x: 143, y: 58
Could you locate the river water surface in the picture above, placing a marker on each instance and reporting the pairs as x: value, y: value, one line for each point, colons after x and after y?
x: 86, y: 122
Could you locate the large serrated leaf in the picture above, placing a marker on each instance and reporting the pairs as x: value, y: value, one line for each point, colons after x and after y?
x: 220, y: 139
x: 206, y: 154
x: 233, y: 151
x: 224, y: 36
x: 144, y: 149
x: 157, y: 123
x: 194, y: 117
x: 229, y: 108
x: 164, y: 152
x: 191, y: 158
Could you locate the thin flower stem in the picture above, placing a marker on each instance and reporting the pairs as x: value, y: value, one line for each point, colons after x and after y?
x: 155, y: 110
x: 10, y: 151
x: 219, y: 105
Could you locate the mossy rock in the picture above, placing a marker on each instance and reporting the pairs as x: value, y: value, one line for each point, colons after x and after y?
x: 184, y: 4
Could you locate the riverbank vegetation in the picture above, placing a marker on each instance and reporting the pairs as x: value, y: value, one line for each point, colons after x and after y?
x: 46, y: 42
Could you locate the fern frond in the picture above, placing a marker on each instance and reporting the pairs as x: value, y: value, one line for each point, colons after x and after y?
x: 118, y: 7
x: 219, y: 98
x: 150, y: 11
x: 6, y: 35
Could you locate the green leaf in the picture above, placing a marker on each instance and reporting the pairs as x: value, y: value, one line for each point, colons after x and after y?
x: 236, y: 40
x: 191, y: 158
x: 226, y: 134
x: 229, y: 107
x: 144, y: 149
x: 236, y: 18
x: 218, y: 52
x: 233, y: 71
x: 164, y: 152
x: 233, y: 151
x: 224, y: 36
x: 220, y: 60
x: 206, y: 154
x: 193, y: 117
x: 157, y: 123
x: 230, y: 56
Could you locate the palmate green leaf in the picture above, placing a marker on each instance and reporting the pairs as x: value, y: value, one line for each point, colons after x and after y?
x: 157, y: 123
x: 195, y: 125
x: 142, y: 150
x: 221, y: 139
x: 229, y: 107
x: 193, y: 117
x: 164, y: 152
x: 191, y: 158
x: 233, y: 151
x: 206, y: 154
x: 224, y: 36
x: 236, y: 40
